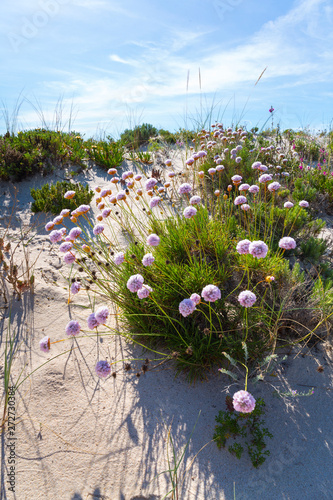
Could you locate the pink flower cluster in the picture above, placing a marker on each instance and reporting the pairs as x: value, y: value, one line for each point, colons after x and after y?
x: 243, y: 402
x: 102, y: 369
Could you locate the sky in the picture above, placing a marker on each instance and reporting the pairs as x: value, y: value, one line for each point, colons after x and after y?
x: 100, y: 66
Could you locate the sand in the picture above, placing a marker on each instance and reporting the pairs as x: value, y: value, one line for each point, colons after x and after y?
x: 81, y: 438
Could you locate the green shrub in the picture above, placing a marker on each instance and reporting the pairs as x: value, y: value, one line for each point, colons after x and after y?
x: 107, y: 154
x: 133, y: 138
x: 50, y: 198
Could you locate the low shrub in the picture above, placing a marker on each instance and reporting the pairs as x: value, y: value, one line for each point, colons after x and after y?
x: 50, y: 198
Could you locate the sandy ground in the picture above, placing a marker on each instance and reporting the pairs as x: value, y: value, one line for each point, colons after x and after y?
x: 81, y: 438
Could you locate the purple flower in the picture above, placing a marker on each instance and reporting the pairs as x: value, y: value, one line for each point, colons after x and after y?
x: 148, y: 259
x: 66, y: 246
x: 55, y: 236
x: 106, y: 212
x: 186, y: 307
x: 73, y: 328
x: 121, y: 195
x: 75, y: 288
x: 49, y: 226
x: 190, y: 161
x: 245, y: 207
x: 98, y: 229
x: 211, y: 293
x: 271, y: 109
x: 65, y: 212
x: 184, y: 188
x: 258, y: 249
x: 154, y: 201
x: 256, y: 165
x: 274, y: 186
x: 254, y: 189
x: 304, y: 204
x: 102, y: 314
x: 189, y: 212
x: 150, y: 184
x: 119, y: 258
x: 236, y: 179
x: 44, y: 344
x: 244, y: 187
x: 104, y: 193
x: 195, y: 297
x: 102, y: 369
x: 69, y: 258
x: 212, y: 171
x: 288, y: 204
x: 246, y: 298
x: 219, y: 168
x: 265, y: 178
x: 58, y: 219
x: 135, y: 282
x: 83, y: 209
x: 287, y: 243
x: 238, y: 159
x: 74, y: 233
x: 243, y: 402
x: 195, y: 200
x: 69, y: 194
x: 239, y: 200
x: 92, y: 321
x: 144, y: 292
x: 153, y: 240
x: 243, y: 247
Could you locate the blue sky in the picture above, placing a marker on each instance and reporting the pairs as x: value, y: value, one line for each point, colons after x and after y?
x: 116, y: 64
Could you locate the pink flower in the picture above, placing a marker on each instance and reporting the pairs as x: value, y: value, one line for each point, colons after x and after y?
x: 274, y: 186
x: 247, y: 298
x: 102, y: 369
x: 189, y: 212
x: 236, y: 179
x: 66, y: 246
x: 256, y: 165
x: 168, y: 162
x: 98, y: 229
x: 69, y: 194
x: 112, y: 171
x: 49, y: 226
x: 135, y: 282
x: 119, y: 258
x: 244, y: 187
x: 287, y: 243
x: 106, y: 212
x: 258, y: 249
x: 186, y: 307
x: 239, y: 200
x: 138, y: 177
x: 73, y: 328
x: 243, y: 247
x: 74, y: 233
x: 219, y: 168
x: 265, y: 178
x: 254, y: 189
x: 211, y: 293
x: 195, y: 297
x: 102, y: 314
x: 55, y: 236
x: 83, y: 209
x: 76, y: 287
x: 144, y: 292
x: 69, y: 258
x: 92, y: 321
x: 58, y: 219
x: 65, y: 212
x: 304, y: 204
x: 243, y: 402
x: 245, y: 207
x: 212, y: 171
x: 153, y: 240
x: 184, y: 188
x: 190, y: 161
x: 150, y: 184
x: 238, y: 159
x: 121, y: 195
x: 288, y: 204
x: 171, y: 174
x: 44, y: 344
x: 154, y: 201
x: 195, y: 200
x: 148, y: 259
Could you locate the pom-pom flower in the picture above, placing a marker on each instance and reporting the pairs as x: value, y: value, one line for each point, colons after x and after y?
x: 144, y: 292
x: 236, y: 179
x: 135, y: 282
x: 304, y: 204
x: 274, y: 186
x: 69, y: 258
x: 98, y: 229
x: 195, y: 297
x: 49, y: 226
x: 154, y: 201
x: 212, y: 171
x: 74, y: 233
x: 76, y: 287
x: 239, y: 200
x: 92, y: 321
x: 103, y: 369
x: 287, y: 243
x: 153, y: 240
x: 186, y: 307
x: 265, y: 178
x: 288, y: 204
x: 148, y: 259
x: 119, y: 258
x: 195, y: 200
x: 243, y: 402
x: 189, y: 212
x: 66, y: 246
x: 243, y: 247
x: 73, y: 328
x: 55, y: 236
x: 245, y: 207
x: 184, y: 188
x: 244, y: 187
x: 102, y: 314
x: 258, y: 249
x: 247, y: 298
x: 211, y: 293
x: 254, y: 189
x: 44, y: 344
x: 69, y: 194
x: 150, y: 184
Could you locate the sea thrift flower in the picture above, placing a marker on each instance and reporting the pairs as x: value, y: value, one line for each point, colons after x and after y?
x: 269, y: 279
x: 195, y: 297
x: 304, y: 204
x: 288, y: 204
x: 58, y: 220
x: 55, y: 236
x: 219, y: 168
x: 154, y: 201
x: 244, y: 187
x: 98, y: 229
x: 144, y: 292
x: 190, y: 161
x: 135, y: 282
x: 201, y: 174
x: 243, y: 247
x: 245, y: 207
x: 115, y: 180
x: 44, y: 344
x: 106, y: 212
x: 69, y: 194
x: 212, y: 171
x: 239, y: 200
x: 73, y: 328
x: 112, y: 171
x: 119, y: 258
x: 258, y: 249
x: 168, y: 162
x: 243, y: 402
x: 287, y: 243
x: 238, y: 159
x: 211, y: 293
x: 274, y: 186
x: 74, y: 233
x: 69, y: 258
x: 65, y: 212
x: 104, y: 193
x: 66, y: 246
x: 102, y: 369
x: 121, y: 196
x: 236, y: 179
x: 256, y: 165
x: 247, y: 298
x: 195, y: 200
x: 92, y: 321
x: 138, y: 177
x: 150, y: 184
x: 189, y: 212
x: 263, y: 168
x: 76, y: 287
x: 184, y: 188
x: 83, y: 209
x: 186, y: 307
x: 254, y: 189
x: 153, y: 240
x: 265, y: 178
x: 102, y: 314
x: 148, y: 259
x: 171, y: 174
x: 49, y: 226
